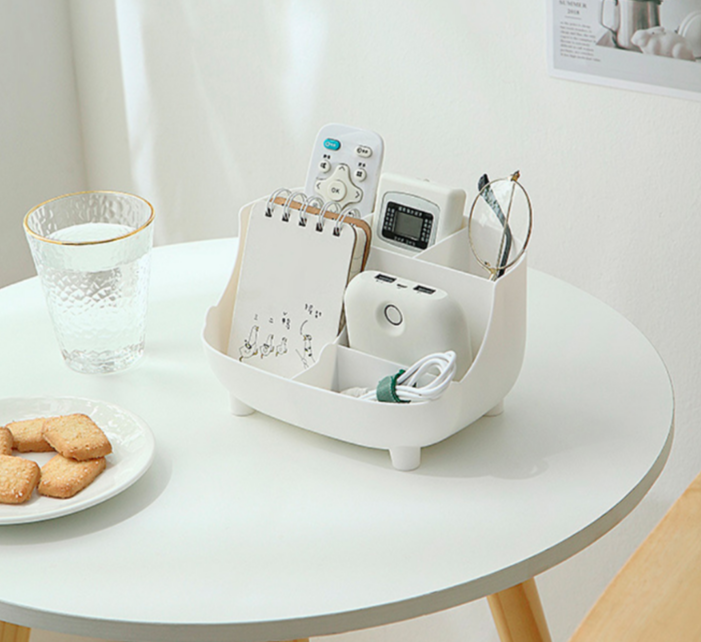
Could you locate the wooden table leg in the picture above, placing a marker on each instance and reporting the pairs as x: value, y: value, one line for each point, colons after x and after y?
x: 13, y: 633
x: 518, y: 614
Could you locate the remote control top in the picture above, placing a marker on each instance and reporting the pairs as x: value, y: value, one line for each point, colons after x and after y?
x: 345, y: 166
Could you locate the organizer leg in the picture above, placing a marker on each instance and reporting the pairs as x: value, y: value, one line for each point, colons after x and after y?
x: 13, y: 633
x: 405, y: 457
x: 240, y: 409
x: 497, y: 410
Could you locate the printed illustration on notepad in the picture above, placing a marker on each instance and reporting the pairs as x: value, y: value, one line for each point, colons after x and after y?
x: 298, y: 256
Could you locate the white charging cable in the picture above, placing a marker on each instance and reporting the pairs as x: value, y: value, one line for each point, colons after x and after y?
x: 404, y: 386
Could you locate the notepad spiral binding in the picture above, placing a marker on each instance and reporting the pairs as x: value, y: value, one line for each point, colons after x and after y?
x: 303, y: 203
x: 496, y: 314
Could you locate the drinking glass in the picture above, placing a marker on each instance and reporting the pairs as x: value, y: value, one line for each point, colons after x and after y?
x: 92, y: 253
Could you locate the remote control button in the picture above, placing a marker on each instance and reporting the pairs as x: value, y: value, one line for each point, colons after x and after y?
x: 324, y: 166
x: 363, y: 151
x: 339, y: 187
x: 360, y: 174
x: 332, y: 144
x: 337, y: 190
x: 354, y: 195
x: 393, y: 314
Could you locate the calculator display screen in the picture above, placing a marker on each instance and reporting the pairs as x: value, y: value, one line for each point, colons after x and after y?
x: 409, y: 221
x: 407, y: 225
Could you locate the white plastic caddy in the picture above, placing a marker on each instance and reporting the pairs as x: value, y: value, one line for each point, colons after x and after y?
x: 495, y: 312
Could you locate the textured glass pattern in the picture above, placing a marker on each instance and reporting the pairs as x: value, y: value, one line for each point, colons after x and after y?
x: 96, y: 285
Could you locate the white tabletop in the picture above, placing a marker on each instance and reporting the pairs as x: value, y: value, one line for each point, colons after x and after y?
x: 250, y: 529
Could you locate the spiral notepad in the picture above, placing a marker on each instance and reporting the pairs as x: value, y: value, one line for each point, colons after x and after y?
x: 295, y: 266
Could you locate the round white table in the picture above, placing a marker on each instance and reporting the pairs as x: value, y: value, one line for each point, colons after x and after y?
x: 245, y: 528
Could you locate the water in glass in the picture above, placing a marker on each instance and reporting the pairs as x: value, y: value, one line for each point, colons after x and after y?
x: 98, y: 315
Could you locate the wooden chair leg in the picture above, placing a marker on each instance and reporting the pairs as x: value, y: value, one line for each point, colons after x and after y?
x: 518, y: 614
x: 13, y: 633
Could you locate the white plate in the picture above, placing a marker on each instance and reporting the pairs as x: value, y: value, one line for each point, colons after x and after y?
x: 132, y: 454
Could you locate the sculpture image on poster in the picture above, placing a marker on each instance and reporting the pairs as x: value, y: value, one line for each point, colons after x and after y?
x: 648, y: 45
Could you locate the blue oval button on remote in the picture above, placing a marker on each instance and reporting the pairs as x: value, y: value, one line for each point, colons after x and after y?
x: 333, y: 144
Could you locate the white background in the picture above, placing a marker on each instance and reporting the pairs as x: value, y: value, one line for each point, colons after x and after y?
x: 200, y: 106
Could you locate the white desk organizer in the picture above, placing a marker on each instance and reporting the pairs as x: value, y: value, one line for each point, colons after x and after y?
x: 496, y: 313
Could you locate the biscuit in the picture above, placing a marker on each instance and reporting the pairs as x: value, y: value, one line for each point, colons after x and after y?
x: 18, y: 479
x: 76, y: 436
x: 6, y: 441
x: 27, y: 435
x: 62, y: 477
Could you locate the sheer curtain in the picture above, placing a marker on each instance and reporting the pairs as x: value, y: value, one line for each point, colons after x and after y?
x: 211, y: 105
x: 40, y: 133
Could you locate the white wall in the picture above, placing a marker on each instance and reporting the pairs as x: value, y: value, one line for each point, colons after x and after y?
x: 40, y: 141
x: 211, y: 104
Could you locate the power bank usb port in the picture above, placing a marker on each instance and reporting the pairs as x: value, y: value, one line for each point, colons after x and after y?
x: 424, y: 289
x: 385, y: 278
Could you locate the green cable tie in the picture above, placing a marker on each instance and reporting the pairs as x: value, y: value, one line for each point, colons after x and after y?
x: 387, y: 389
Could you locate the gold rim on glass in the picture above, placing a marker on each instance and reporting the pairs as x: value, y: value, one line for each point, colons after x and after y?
x: 38, y: 236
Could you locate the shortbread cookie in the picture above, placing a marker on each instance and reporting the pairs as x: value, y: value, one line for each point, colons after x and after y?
x: 62, y: 477
x: 27, y: 435
x: 6, y: 441
x: 18, y: 479
x: 76, y: 436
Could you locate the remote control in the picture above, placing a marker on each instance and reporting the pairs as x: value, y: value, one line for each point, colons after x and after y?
x: 345, y: 166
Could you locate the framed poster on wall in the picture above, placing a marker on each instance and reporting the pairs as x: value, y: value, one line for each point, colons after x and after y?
x: 646, y: 45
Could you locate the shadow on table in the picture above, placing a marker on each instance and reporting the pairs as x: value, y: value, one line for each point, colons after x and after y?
x: 485, y: 449
x: 498, y: 447
x: 105, y: 515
